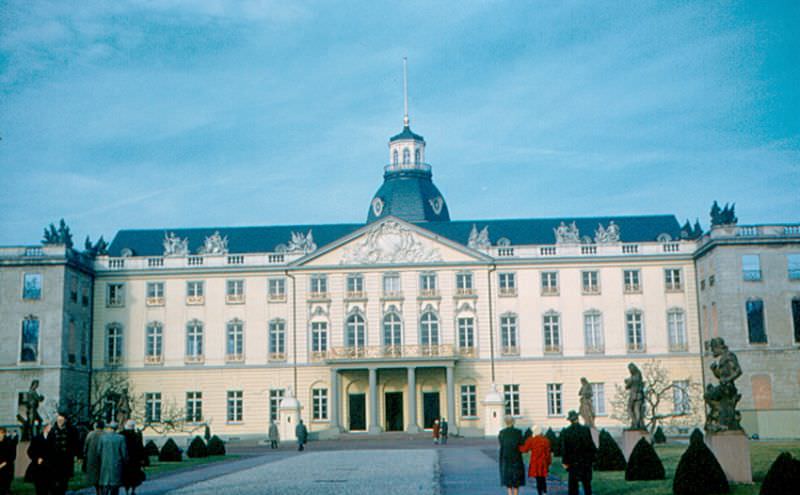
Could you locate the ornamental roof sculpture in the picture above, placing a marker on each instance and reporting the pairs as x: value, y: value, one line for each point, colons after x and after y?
x: 607, y: 235
x: 214, y: 244
x: 567, y: 234
x: 299, y: 243
x: 389, y: 242
x: 175, y: 246
x: 479, y: 241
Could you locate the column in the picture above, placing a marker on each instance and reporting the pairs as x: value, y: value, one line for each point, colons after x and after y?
x: 412, y: 401
x: 451, y: 401
x: 333, y: 410
x: 374, y: 427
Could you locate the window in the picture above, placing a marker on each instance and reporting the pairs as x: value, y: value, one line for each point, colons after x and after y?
x: 554, y: 399
x: 152, y: 407
x: 155, y: 293
x: 275, y: 398
x: 85, y: 295
x: 635, y: 330
x: 591, y: 282
x: 796, y: 319
x: 392, y: 329
x: 234, y: 341
x: 29, y: 353
x: 194, y: 407
x: 416, y: 156
x: 672, y: 279
x: 85, y: 344
x: 469, y: 401
x: 72, y: 341
x: 593, y: 331
x: 277, y: 339
x: 115, y: 295
x: 676, y: 329
x: 511, y: 396
x: 235, y: 406
x: 194, y: 292
x: 114, y: 344
x: 466, y: 333
x: 549, y: 283
x: 552, y: 332
x: 464, y: 283
x: 599, y: 398
x: 793, y: 266
x: 391, y: 284
x: 73, y: 288
x: 154, y: 338
x: 427, y: 284
x: 234, y: 291
x: 711, y: 280
x: 508, y: 335
x: 755, y: 321
x: 355, y: 335
x: 395, y: 158
x: 751, y: 267
x: 507, y: 283
x: 632, y: 281
x: 429, y: 329
x: 194, y: 341
x: 355, y: 285
x: 319, y: 337
x: 32, y: 286
x: 319, y: 400
x: 406, y: 156
x: 319, y: 285
x: 276, y: 289
x: 680, y: 397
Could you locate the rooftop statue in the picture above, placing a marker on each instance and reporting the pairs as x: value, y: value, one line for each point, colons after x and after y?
x: 479, y: 240
x: 724, y: 216
x: 175, y: 246
x: 215, y: 244
x: 723, y: 398
x: 567, y: 234
x: 300, y: 243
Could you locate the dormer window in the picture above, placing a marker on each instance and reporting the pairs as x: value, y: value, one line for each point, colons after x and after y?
x: 406, y: 156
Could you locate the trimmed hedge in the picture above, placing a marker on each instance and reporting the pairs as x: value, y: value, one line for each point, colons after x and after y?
x: 151, y: 449
x: 216, y: 446
x: 609, y: 455
x: 644, y: 464
x: 555, y: 442
x: 197, y: 448
x: 782, y: 475
x: 658, y: 436
x: 170, y: 452
x: 698, y: 471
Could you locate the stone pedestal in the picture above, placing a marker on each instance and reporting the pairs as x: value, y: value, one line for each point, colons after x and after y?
x: 630, y: 438
x: 22, y: 462
x: 732, y: 450
x: 494, y: 405
x: 595, y: 436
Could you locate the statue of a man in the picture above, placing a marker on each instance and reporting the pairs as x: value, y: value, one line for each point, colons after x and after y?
x: 123, y: 407
x: 634, y: 384
x: 587, y: 408
x: 32, y: 420
x: 723, y: 398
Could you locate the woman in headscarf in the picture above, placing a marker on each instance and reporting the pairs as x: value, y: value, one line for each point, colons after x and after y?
x: 539, y: 447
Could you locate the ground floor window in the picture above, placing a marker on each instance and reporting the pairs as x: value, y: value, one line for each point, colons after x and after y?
x: 319, y: 397
x: 152, y: 407
x: 511, y: 396
x: 599, y: 398
x: 469, y: 403
x: 235, y: 405
x: 275, y: 398
x: 194, y: 407
x: 554, y: 407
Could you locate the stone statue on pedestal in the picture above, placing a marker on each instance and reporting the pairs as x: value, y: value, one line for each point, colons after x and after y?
x: 722, y: 399
x: 587, y: 408
x: 634, y: 384
x: 32, y: 421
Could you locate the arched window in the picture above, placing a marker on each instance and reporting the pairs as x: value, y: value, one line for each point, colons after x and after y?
x: 154, y: 336
x: 551, y: 325
x: 392, y: 329
x: 234, y: 340
x: 508, y: 334
x: 355, y: 337
x: 194, y: 340
x: 395, y: 158
x: 676, y: 329
x: 114, y: 344
x: 417, y: 158
x: 429, y: 329
x: 756, y: 329
x: 406, y: 156
x: 634, y: 324
x: 593, y: 331
x: 30, y: 340
x: 277, y: 339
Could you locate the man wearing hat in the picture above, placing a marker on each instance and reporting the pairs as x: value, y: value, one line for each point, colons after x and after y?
x: 577, y: 454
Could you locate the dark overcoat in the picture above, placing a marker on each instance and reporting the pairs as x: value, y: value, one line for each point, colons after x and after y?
x: 301, y: 433
x: 512, y: 467
x: 113, y: 454
x: 132, y: 473
x: 91, y: 456
x: 37, y: 472
x: 577, y: 446
x: 8, y: 454
x: 63, y: 445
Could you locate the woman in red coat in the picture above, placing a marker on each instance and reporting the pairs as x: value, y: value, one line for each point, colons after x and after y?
x: 539, y: 447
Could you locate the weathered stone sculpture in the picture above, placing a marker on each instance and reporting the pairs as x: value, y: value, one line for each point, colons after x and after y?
x: 587, y: 408
x: 723, y: 398
x: 634, y: 384
x: 32, y: 421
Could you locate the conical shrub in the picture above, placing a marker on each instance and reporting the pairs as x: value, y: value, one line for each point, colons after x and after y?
x: 782, y: 476
x: 644, y: 464
x: 659, y: 437
x: 197, y: 448
x: 170, y: 452
x: 151, y: 449
x: 609, y: 455
x: 216, y: 446
x: 555, y: 443
x: 699, y: 472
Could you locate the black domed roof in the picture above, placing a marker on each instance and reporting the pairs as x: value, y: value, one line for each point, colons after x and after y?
x: 409, y: 195
x: 406, y: 134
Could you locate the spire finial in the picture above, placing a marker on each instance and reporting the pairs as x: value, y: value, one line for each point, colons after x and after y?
x: 405, y: 91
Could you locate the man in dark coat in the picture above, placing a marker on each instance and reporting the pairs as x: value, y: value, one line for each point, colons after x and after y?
x: 91, y: 456
x: 301, y: 433
x: 113, y: 455
x: 8, y: 454
x: 512, y: 467
x: 577, y: 454
x: 63, y: 444
x: 133, y: 472
x: 38, y: 471
x: 443, y: 430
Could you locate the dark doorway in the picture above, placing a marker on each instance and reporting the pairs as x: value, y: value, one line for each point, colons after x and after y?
x: 394, y: 411
x: 430, y: 408
x: 358, y: 412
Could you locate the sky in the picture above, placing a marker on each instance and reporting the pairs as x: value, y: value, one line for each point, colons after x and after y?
x: 138, y: 114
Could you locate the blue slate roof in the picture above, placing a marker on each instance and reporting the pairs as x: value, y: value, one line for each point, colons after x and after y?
x: 518, y: 231
x: 408, y: 195
x: 407, y: 133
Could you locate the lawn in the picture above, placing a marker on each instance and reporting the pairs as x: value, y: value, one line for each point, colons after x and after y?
x: 156, y: 468
x: 762, y: 454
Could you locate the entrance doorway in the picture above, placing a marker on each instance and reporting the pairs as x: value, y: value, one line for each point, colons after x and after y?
x: 357, y: 405
x: 430, y: 408
x: 394, y: 411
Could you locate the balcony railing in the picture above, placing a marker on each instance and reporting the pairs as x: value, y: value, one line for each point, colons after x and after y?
x: 154, y: 301
x: 234, y: 358
x: 234, y: 298
x: 392, y: 351
x: 751, y: 275
x: 509, y: 350
x: 468, y: 351
x: 277, y: 297
x: 507, y: 291
x: 194, y: 359
x: 195, y: 300
x: 428, y: 293
x: 355, y: 294
x: 678, y: 347
x: 153, y: 360
x: 400, y: 167
x: 465, y: 291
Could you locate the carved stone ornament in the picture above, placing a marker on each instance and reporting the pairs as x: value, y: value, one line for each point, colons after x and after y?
x: 567, y: 234
x: 214, y: 244
x: 300, y: 243
x: 389, y: 242
x: 377, y: 206
x: 723, y: 398
x: 437, y: 204
x: 175, y: 246
x: 607, y: 235
x: 479, y: 240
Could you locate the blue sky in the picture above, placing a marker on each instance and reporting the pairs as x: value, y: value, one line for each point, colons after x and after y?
x: 180, y: 113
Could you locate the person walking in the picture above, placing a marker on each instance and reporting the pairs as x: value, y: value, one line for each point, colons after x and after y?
x: 577, y: 454
x: 63, y: 446
x: 301, y: 433
x: 541, y: 457
x: 273, y: 435
x: 443, y: 431
x: 113, y: 455
x: 436, y: 430
x: 512, y: 467
x: 91, y: 456
x: 38, y: 471
x: 133, y: 471
x: 8, y: 454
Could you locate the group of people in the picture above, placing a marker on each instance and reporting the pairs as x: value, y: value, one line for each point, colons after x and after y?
x: 577, y: 455
x: 114, y: 459
x: 440, y: 431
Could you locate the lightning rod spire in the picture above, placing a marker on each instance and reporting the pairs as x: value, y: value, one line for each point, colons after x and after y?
x: 405, y: 91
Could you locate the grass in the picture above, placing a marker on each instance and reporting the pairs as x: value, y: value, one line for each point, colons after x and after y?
x: 155, y: 469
